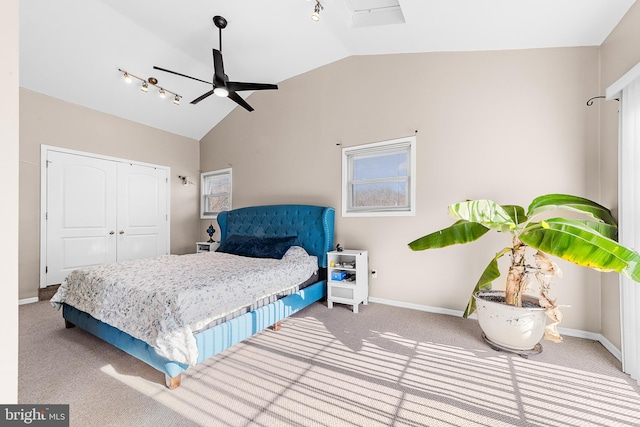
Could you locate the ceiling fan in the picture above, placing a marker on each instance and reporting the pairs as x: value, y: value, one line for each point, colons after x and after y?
x: 221, y: 84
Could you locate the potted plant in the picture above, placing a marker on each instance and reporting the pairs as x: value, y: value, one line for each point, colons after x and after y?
x: 589, y: 241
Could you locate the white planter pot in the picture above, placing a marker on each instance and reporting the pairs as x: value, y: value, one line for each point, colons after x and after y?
x: 515, y: 328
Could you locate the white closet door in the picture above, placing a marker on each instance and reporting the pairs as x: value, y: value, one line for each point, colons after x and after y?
x: 99, y: 210
x: 142, y: 212
x: 81, y: 214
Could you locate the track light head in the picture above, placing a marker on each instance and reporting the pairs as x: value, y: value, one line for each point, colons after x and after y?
x: 127, y: 77
x: 144, y: 87
x: 162, y: 93
x: 316, y: 11
x: 176, y: 99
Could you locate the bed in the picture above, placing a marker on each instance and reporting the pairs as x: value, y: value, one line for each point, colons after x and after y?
x: 300, y: 226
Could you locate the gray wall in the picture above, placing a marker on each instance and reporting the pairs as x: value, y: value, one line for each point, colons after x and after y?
x: 504, y: 125
x: 50, y: 121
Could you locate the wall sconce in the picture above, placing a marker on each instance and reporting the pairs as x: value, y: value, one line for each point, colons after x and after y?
x: 316, y: 11
x: 144, y: 86
x: 185, y: 180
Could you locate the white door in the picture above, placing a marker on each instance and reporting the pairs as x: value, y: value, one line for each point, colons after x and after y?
x: 100, y: 210
x: 80, y: 214
x: 142, y: 211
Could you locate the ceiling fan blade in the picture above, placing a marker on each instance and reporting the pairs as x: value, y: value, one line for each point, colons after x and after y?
x: 237, y: 86
x: 180, y: 74
x: 218, y: 68
x: 235, y: 97
x: 201, y: 97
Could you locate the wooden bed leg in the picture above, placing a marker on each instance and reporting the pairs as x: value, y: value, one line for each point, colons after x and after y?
x: 276, y: 326
x: 68, y: 324
x: 173, y: 382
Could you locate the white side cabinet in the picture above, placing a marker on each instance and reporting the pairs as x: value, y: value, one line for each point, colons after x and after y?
x: 206, y: 246
x: 348, y: 278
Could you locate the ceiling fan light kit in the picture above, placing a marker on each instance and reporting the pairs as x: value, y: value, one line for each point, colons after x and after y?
x: 221, y: 92
x: 221, y: 86
x: 144, y: 85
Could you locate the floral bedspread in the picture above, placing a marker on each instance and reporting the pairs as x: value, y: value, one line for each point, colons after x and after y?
x: 163, y: 300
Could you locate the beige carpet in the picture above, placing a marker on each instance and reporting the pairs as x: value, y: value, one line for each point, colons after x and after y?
x: 385, y: 366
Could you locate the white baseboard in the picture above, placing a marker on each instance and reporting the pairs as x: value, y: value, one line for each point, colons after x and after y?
x: 458, y: 313
x: 615, y: 351
x: 563, y: 331
x: 418, y: 307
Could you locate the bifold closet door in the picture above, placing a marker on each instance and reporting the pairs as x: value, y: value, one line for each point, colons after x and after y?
x: 101, y: 210
x: 80, y: 213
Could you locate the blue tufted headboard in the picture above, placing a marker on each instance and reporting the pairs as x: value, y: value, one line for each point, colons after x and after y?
x: 312, y: 224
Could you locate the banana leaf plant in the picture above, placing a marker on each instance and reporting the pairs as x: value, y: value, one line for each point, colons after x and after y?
x: 590, y: 242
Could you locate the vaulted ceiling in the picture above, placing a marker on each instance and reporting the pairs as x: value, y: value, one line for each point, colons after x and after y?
x: 72, y: 49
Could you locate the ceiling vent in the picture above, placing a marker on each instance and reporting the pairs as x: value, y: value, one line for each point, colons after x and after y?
x: 370, y: 13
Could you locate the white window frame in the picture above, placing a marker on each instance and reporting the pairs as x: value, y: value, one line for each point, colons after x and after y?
x: 379, y: 148
x: 203, y: 177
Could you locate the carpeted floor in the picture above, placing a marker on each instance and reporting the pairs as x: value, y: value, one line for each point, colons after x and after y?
x: 385, y: 366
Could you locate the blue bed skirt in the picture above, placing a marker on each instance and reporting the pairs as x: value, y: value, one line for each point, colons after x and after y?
x: 211, y: 341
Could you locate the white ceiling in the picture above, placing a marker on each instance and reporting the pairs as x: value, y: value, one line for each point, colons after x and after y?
x: 72, y: 49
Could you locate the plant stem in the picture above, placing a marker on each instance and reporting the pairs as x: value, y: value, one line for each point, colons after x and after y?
x: 515, y: 278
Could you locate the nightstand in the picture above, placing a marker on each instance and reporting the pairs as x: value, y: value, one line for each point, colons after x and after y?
x: 348, y: 278
x: 206, y: 246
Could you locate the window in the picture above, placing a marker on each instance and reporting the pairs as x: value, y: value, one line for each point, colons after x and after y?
x: 379, y: 179
x: 215, y: 196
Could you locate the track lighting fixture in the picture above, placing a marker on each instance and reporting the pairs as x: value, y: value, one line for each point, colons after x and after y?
x: 162, y: 92
x: 316, y: 11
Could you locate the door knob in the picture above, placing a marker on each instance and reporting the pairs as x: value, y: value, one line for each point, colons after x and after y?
x: 112, y: 232
x: 121, y: 231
